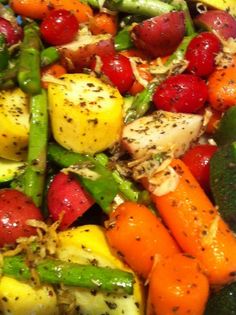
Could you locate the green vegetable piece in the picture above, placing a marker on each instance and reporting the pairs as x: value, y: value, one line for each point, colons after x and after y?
x: 179, y: 54
x: 54, y: 271
x: 48, y: 56
x: 103, y: 188
x: 222, y: 302
x: 226, y: 132
x: 123, y: 39
x: 223, y: 182
x: 147, y: 8
x: 34, y: 176
x: 4, y: 54
x: 141, y: 103
x: 29, y: 62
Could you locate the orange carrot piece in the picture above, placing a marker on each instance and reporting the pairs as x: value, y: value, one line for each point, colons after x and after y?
x: 144, y: 74
x: 55, y: 70
x: 213, y: 122
x: 198, y: 228
x: 103, y: 23
x: 139, y: 237
x: 222, y: 88
x: 34, y: 9
x: 177, y: 286
x: 38, y: 9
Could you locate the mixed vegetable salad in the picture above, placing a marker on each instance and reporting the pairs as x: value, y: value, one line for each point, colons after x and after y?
x: 118, y: 157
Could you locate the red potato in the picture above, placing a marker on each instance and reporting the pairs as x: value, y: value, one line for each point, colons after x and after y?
x: 160, y: 35
x: 218, y: 21
x: 13, y: 33
x: 15, y: 210
x: 76, y: 57
x: 66, y: 195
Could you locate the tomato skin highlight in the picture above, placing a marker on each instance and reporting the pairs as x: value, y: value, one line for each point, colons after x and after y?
x: 181, y: 93
x: 15, y: 210
x: 66, y: 195
x: 201, y: 54
x: 59, y: 27
x: 119, y: 71
x: 197, y: 159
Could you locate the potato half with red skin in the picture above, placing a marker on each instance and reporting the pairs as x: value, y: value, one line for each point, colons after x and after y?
x: 160, y: 35
x: 66, y: 196
x: 218, y: 21
x: 74, y: 59
x: 15, y: 210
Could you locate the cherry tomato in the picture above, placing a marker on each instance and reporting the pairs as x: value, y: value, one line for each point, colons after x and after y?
x: 59, y: 27
x: 15, y: 210
x: 201, y: 53
x: 66, y: 197
x: 197, y: 159
x: 119, y: 71
x: 12, y: 34
x: 184, y: 93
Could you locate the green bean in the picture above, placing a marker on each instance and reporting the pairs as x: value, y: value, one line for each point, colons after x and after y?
x: 53, y: 271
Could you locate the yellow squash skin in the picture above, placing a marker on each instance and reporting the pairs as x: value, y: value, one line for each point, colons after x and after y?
x: 18, y: 298
x: 86, y: 245
x: 14, y: 124
x: 86, y: 114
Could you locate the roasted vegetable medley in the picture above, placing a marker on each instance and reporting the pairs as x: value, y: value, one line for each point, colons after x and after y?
x: 117, y: 157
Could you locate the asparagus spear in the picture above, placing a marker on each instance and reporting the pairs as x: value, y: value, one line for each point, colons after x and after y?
x: 126, y: 187
x: 103, y: 188
x: 48, y: 56
x: 34, y: 176
x: 140, y: 7
x: 142, y: 101
x: 54, y: 271
x: 29, y: 61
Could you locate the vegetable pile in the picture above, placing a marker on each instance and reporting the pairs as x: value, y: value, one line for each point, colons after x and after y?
x: 118, y: 157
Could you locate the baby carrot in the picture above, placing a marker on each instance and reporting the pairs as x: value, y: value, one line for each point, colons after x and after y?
x: 222, y: 87
x: 38, y: 9
x: 139, y: 237
x: 177, y: 286
x: 103, y: 23
x: 197, y: 226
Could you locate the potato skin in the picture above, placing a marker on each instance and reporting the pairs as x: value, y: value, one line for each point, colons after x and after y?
x: 86, y: 114
x: 76, y: 60
x: 218, y: 21
x: 160, y: 35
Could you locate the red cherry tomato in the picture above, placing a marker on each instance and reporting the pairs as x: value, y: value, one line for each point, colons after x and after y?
x: 201, y: 53
x: 59, y: 27
x: 197, y: 159
x: 119, y: 71
x: 15, y: 210
x: 12, y: 34
x: 184, y: 93
x: 66, y: 195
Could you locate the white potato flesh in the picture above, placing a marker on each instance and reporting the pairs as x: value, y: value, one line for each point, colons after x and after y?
x: 86, y: 114
x: 162, y: 131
